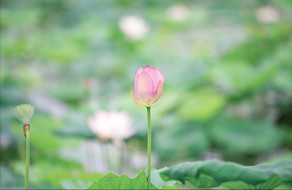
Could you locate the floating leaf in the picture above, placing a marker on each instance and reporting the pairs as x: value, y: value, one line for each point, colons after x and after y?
x: 213, y: 173
x: 24, y: 113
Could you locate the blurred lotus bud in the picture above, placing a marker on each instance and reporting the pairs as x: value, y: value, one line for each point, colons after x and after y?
x: 111, y: 125
x: 133, y: 27
x: 86, y: 84
x: 178, y: 13
x: 148, y: 86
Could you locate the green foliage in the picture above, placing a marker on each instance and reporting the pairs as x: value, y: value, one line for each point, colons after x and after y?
x: 24, y: 113
x: 214, y: 173
x: 75, y: 126
x: 112, y: 181
x: 168, y: 143
x: 157, y: 181
x: 214, y: 55
x: 45, y: 146
x: 67, y: 92
x: 43, y: 137
x: 244, y: 137
x: 264, y: 41
x: 9, y: 179
x: 53, y: 176
x: 201, y: 105
x: 283, y: 75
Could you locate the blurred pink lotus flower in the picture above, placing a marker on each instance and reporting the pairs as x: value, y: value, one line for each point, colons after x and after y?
x: 148, y: 86
x: 267, y: 14
x: 113, y: 125
x: 134, y: 27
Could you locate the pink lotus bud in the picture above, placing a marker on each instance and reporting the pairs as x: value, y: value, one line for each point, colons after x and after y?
x: 148, y: 86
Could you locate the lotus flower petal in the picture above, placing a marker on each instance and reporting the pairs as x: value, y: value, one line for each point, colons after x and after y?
x: 136, y: 100
x: 144, y: 87
x: 155, y: 74
x: 158, y: 92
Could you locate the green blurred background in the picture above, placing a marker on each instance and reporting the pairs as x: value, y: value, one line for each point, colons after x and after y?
x: 227, y: 92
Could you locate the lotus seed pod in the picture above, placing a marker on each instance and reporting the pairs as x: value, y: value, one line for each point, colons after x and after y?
x: 24, y: 113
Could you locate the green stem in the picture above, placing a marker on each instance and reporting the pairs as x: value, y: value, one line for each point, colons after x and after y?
x: 27, y: 157
x: 149, y: 147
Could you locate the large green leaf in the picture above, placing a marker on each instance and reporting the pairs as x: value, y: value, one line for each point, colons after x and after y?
x: 157, y: 181
x: 112, y: 181
x: 213, y: 173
